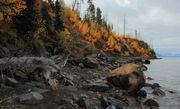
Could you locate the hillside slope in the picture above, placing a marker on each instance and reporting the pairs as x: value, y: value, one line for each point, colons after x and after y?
x: 45, y: 28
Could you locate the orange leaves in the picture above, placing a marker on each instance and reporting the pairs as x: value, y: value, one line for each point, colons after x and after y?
x: 101, y: 37
x: 11, y: 8
x: 117, y: 48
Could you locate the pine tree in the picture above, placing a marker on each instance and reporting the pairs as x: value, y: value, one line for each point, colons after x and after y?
x: 58, y: 21
x: 47, y: 19
x: 30, y: 22
x: 99, y: 16
x: 91, y: 10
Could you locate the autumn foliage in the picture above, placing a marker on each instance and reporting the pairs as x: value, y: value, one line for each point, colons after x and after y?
x: 9, y: 8
x: 104, y: 39
x: 47, y: 19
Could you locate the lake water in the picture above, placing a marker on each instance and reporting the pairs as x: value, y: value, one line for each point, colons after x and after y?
x: 166, y: 72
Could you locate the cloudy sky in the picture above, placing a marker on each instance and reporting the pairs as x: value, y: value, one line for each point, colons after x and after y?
x: 157, y: 20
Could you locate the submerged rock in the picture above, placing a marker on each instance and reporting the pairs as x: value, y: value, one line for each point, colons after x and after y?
x: 149, y: 78
x: 128, y: 77
x: 158, y: 92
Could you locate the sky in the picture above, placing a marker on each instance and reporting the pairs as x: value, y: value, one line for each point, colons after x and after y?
x: 157, y: 20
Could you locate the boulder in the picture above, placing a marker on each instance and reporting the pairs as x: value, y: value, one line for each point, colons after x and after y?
x: 142, y: 93
x: 128, y: 77
x: 151, y: 103
x: 155, y: 86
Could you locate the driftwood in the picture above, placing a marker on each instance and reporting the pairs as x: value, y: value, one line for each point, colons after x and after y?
x: 29, y: 64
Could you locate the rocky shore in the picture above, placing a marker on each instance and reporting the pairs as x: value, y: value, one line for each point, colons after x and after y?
x: 63, y: 82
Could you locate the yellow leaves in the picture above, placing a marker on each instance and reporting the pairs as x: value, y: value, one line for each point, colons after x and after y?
x: 11, y: 8
x: 117, y: 48
x: 100, y: 36
x: 134, y: 44
x: 126, y: 53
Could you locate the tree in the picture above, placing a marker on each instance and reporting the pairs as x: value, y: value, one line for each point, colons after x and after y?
x: 91, y: 10
x: 30, y: 22
x: 58, y: 21
x: 77, y: 4
x: 98, y: 16
x: 9, y: 8
x: 47, y: 19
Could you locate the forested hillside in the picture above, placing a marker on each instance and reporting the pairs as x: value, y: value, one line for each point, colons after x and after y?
x: 45, y: 28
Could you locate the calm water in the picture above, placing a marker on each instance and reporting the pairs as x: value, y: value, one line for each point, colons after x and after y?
x: 166, y: 72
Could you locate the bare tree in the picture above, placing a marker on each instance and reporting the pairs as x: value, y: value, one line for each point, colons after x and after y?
x: 77, y: 4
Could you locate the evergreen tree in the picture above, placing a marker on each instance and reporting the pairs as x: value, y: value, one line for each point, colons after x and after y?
x: 30, y: 22
x: 98, y: 16
x: 58, y: 21
x: 91, y: 10
x: 47, y: 19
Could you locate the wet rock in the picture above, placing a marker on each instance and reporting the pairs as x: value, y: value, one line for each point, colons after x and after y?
x: 158, y: 92
x: 143, y: 68
x: 142, y: 93
x: 90, y: 62
x: 94, y: 103
x: 65, y: 106
x: 128, y: 77
x: 146, y: 61
x: 30, y: 98
x: 155, y: 86
x: 104, y: 102
x: 4, y: 52
x: 111, y: 107
x: 151, y: 103
x: 148, y: 85
x: 111, y: 59
x: 81, y: 65
x: 11, y: 82
x: 171, y: 91
x: 149, y: 78
x: 20, y: 75
x: 97, y: 87
x: 83, y: 102
x: 95, y: 107
x: 118, y: 103
x: 36, y: 84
